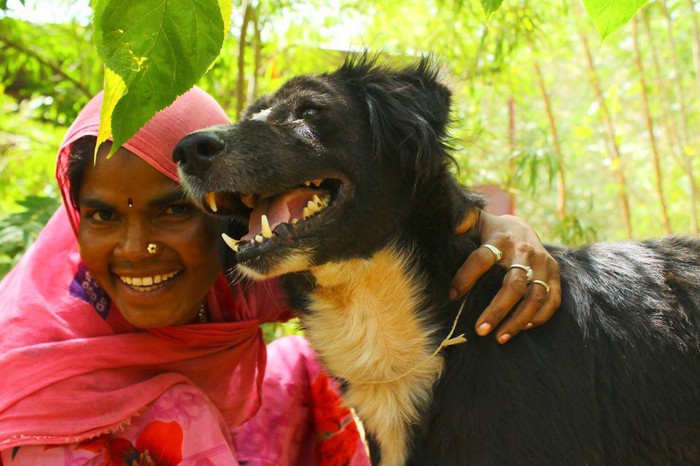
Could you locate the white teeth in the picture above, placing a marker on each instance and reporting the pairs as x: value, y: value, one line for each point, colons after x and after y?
x: 266, y: 231
x: 317, y: 182
x: 312, y: 206
x: 295, y: 221
x: 305, y: 213
x: 259, y: 238
x: 232, y: 243
x: 210, y: 199
x: 143, y: 282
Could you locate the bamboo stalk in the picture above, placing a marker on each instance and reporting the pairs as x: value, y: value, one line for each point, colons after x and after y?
x: 650, y: 129
x: 613, y: 146
x: 561, y: 180
x: 240, y: 81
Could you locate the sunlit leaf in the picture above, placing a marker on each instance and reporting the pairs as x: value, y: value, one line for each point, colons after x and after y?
x: 159, y: 49
x: 490, y: 6
x: 114, y: 90
x: 610, y: 15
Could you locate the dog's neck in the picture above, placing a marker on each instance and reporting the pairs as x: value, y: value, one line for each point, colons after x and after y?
x: 367, y: 319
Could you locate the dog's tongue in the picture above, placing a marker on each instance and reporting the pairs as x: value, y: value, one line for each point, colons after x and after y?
x: 279, y: 209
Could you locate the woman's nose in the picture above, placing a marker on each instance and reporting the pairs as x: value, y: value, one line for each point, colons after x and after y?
x: 134, y: 243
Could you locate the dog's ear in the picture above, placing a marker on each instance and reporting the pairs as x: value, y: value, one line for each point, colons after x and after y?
x: 408, y: 111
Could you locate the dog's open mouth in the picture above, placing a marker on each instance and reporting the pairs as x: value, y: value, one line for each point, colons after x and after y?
x: 274, y: 218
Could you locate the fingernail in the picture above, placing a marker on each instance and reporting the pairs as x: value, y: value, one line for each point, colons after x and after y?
x: 529, y: 326
x: 504, y: 338
x: 483, y: 329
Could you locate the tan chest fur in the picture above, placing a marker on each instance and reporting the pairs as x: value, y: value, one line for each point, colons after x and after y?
x: 366, y: 329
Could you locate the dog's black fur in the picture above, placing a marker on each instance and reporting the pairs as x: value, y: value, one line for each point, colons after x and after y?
x: 613, y: 378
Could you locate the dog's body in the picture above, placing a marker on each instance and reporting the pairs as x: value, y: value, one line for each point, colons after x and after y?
x: 613, y: 378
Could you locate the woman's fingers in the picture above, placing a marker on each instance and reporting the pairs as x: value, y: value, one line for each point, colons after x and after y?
x: 478, y: 263
x: 537, y: 302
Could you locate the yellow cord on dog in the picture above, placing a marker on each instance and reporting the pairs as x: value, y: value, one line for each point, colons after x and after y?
x: 448, y: 341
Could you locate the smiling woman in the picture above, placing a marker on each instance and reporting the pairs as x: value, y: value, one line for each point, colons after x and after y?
x: 148, y: 247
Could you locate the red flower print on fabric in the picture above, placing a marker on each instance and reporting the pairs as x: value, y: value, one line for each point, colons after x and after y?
x: 158, y: 444
x: 335, y: 426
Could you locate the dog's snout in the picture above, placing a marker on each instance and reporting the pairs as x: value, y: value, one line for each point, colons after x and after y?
x: 197, y: 149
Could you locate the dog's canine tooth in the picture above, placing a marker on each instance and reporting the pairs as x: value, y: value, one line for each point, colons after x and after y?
x: 248, y: 200
x: 210, y: 199
x: 266, y: 230
x: 230, y: 242
x: 313, y: 208
x: 317, y: 182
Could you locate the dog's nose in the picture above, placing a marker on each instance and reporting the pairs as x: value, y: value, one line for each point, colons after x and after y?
x: 197, y: 149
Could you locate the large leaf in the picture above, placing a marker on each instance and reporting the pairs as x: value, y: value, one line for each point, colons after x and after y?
x: 610, y: 15
x: 155, y: 50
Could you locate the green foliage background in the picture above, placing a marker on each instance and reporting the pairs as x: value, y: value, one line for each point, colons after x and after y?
x: 567, y: 136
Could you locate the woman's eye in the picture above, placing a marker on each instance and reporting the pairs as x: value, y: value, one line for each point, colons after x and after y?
x: 101, y: 215
x: 178, y: 209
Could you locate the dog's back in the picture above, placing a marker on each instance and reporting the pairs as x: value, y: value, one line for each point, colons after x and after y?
x: 613, y: 378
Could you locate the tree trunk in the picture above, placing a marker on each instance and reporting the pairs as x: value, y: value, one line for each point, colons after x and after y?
x: 650, y: 129
x: 685, y: 134
x: 240, y: 82
x: 561, y: 180
x: 613, y: 147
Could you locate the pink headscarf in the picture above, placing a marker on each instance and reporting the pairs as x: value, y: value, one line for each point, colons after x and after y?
x: 154, y: 143
x: 72, y: 368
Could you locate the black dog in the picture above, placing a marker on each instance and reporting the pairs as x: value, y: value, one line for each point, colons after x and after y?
x: 351, y: 170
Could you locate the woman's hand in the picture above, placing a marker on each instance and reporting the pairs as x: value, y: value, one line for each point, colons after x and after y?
x: 519, y: 244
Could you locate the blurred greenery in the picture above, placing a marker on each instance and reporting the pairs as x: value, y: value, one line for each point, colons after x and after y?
x: 542, y: 108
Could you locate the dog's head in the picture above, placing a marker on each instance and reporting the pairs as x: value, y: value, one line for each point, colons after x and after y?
x: 326, y: 168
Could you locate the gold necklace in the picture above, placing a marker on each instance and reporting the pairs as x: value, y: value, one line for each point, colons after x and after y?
x: 202, y: 314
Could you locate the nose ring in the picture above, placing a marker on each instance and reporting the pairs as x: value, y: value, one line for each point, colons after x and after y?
x: 152, y: 248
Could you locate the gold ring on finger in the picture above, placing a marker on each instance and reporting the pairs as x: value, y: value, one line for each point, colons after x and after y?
x: 496, y: 252
x: 543, y: 283
x: 527, y: 269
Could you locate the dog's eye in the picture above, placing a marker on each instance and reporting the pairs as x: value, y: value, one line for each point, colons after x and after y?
x: 307, y: 112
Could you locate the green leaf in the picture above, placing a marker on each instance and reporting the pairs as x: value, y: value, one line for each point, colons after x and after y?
x: 609, y: 15
x: 490, y: 6
x: 158, y: 49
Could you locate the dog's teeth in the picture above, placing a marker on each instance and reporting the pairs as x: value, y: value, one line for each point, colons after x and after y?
x: 326, y: 199
x: 295, y: 221
x: 259, y: 238
x: 313, y: 208
x: 210, y: 199
x: 266, y: 230
x: 318, y: 201
x: 248, y: 200
x: 232, y: 243
x: 305, y: 213
x: 307, y: 183
x: 317, y: 182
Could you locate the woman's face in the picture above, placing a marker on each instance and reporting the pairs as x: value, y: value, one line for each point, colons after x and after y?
x: 125, y: 204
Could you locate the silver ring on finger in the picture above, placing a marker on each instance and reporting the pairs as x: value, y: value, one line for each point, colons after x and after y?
x: 527, y: 269
x: 543, y: 283
x: 496, y: 252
